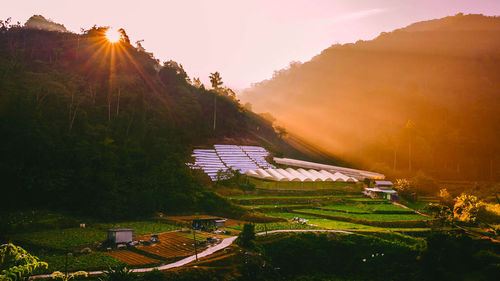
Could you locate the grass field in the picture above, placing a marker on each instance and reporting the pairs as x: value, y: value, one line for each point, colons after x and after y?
x: 260, y: 227
x: 274, y: 206
x: 247, y: 197
x: 371, y: 217
x: 66, y: 239
x: 341, y: 225
x: 82, y: 262
x: 367, y: 208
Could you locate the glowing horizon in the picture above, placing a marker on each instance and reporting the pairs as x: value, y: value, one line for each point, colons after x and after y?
x: 246, y: 41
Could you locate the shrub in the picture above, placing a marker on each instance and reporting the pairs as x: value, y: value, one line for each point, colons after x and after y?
x: 489, y: 212
x: 16, y: 263
x: 466, y: 208
x: 247, y: 237
x: 445, y: 197
x: 441, y: 212
x: 406, y: 190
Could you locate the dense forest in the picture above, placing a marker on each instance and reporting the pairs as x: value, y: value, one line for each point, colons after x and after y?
x: 105, y: 130
x: 425, y: 97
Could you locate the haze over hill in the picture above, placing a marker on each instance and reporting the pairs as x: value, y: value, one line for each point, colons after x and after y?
x: 424, y: 97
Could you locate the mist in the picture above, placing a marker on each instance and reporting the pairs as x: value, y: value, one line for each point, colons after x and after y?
x: 422, y: 98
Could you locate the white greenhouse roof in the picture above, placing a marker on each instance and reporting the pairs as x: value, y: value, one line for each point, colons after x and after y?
x: 301, y: 175
x: 353, y: 173
x: 238, y: 158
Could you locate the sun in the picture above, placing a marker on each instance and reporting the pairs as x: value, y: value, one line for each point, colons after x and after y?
x: 113, y: 35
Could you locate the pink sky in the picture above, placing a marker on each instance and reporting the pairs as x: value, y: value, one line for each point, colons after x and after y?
x: 244, y: 40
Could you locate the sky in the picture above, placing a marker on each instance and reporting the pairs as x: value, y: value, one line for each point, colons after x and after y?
x: 245, y: 40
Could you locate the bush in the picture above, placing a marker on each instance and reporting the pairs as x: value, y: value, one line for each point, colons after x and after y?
x: 406, y: 190
x: 466, y: 208
x: 246, y: 238
x: 489, y: 212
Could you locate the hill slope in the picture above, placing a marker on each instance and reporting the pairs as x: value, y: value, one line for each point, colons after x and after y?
x: 104, y: 130
x: 424, y: 97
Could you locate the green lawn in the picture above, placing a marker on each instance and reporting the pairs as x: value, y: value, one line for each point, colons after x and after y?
x: 372, y: 217
x: 66, y: 239
x: 367, y: 208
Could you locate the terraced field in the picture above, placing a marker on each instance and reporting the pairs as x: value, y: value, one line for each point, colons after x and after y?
x: 132, y: 258
x: 368, y: 208
x: 351, y: 212
x: 172, y: 245
x: 368, y: 216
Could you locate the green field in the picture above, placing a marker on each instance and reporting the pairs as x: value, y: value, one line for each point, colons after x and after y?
x: 66, y: 239
x: 341, y: 225
x: 81, y: 262
x: 367, y: 208
x: 370, y: 217
x: 245, y: 197
x: 274, y: 206
x: 260, y: 227
x: 309, y: 186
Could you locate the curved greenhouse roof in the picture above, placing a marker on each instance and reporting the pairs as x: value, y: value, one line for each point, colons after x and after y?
x: 301, y: 175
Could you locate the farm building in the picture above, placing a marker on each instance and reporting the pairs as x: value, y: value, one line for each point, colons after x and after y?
x: 208, y: 223
x: 120, y: 235
x: 382, y: 189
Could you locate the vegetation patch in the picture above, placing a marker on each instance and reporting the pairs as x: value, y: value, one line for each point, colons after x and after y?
x: 92, y: 261
x: 368, y: 208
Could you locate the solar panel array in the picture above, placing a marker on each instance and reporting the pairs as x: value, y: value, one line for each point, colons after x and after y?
x: 223, y: 157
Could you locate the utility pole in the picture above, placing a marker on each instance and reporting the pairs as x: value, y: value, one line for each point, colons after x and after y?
x: 195, y: 250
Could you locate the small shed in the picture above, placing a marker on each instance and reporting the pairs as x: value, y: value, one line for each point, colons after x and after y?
x: 376, y: 192
x: 208, y: 223
x: 120, y: 235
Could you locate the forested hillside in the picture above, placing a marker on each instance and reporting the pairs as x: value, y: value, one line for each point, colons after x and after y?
x: 105, y: 130
x: 425, y: 97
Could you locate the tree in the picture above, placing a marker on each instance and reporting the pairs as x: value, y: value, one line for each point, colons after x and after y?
x: 466, y: 208
x: 17, y: 264
x: 281, y: 131
x: 216, y: 80
x: 247, y: 236
x: 197, y: 83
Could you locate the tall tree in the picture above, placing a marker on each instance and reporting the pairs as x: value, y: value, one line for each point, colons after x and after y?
x: 216, y: 81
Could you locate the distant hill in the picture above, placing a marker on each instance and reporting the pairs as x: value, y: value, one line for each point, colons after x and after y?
x: 424, y: 97
x: 40, y: 22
